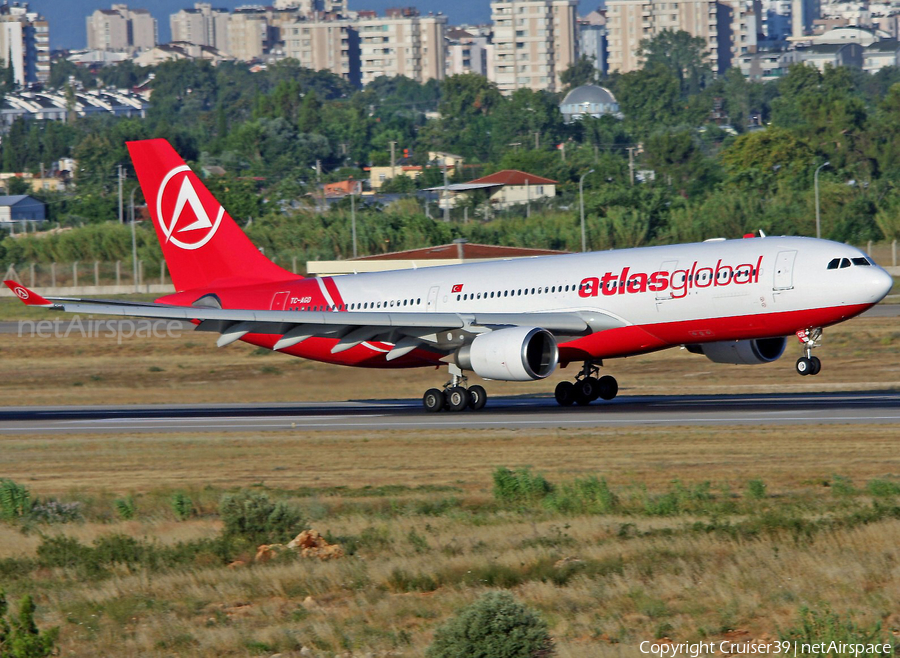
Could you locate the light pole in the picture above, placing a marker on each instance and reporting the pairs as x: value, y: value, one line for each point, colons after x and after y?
x: 134, y: 261
x: 353, y: 215
x: 581, y: 198
x: 816, y: 181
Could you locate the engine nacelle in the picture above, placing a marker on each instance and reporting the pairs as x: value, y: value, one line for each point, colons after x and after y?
x: 517, y: 354
x: 742, y: 352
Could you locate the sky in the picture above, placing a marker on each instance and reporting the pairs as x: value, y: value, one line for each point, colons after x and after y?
x: 67, y: 17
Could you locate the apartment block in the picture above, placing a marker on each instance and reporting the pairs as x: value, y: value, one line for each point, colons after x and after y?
x: 360, y: 50
x: 728, y: 28
x: 327, y: 45
x: 534, y: 42
x: 203, y: 25
x: 25, y: 39
x: 250, y: 34
x: 402, y: 43
x: 120, y: 28
x: 467, y: 52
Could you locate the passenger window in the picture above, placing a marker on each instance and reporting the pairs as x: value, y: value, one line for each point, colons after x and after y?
x: 845, y: 262
x: 833, y: 263
x: 861, y: 261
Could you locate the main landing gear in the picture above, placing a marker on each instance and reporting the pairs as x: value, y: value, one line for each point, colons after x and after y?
x: 455, y: 396
x: 809, y: 364
x: 587, y: 387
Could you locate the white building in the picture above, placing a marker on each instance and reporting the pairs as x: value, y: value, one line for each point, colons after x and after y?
x: 121, y: 28
x: 204, y: 25
x: 25, y: 43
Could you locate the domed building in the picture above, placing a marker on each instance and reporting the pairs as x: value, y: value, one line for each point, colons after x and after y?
x: 589, y: 100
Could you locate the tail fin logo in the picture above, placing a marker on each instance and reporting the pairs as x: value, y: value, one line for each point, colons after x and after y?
x: 202, y: 229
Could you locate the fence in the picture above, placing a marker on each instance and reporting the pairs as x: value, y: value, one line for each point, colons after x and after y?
x: 95, y: 277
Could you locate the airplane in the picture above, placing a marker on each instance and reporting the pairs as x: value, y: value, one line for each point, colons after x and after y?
x: 733, y: 301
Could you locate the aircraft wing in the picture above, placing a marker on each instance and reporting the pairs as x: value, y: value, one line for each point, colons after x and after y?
x: 406, y: 330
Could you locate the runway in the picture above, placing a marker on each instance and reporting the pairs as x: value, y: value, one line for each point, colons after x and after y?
x: 882, y: 407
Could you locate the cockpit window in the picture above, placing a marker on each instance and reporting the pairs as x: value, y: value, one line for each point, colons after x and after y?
x: 845, y: 262
x: 833, y: 263
x: 861, y: 261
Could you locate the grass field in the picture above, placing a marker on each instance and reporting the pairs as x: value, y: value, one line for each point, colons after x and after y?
x: 686, y: 533
x: 670, y: 557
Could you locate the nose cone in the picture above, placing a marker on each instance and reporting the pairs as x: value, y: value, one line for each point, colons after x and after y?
x: 878, y: 284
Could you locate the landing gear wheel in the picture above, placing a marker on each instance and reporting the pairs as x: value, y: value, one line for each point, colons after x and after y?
x: 565, y: 394
x: 805, y: 366
x: 433, y: 400
x: 816, y: 365
x: 477, y: 397
x: 608, y: 387
x: 456, y: 398
x: 588, y: 390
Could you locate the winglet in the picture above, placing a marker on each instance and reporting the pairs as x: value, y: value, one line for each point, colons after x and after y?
x: 29, y: 297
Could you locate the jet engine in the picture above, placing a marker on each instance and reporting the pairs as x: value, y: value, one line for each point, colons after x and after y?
x: 516, y: 354
x: 742, y: 352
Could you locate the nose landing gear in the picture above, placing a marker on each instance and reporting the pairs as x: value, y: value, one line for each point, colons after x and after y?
x: 455, y: 396
x: 809, y: 364
x: 587, y: 387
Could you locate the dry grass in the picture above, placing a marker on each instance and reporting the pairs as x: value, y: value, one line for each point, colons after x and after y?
x: 142, y: 463
x: 660, y: 577
x: 858, y: 355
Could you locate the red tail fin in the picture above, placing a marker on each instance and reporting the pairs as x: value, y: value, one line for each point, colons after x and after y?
x: 200, y: 242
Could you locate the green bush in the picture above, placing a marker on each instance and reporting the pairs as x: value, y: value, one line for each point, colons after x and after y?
x: 253, y: 517
x: 182, y: 506
x: 756, y: 489
x: 495, y: 626
x: 583, y: 496
x: 126, y: 508
x: 15, y: 501
x: 521, y: 486
x: 20, y: 636
x: 883, y: 488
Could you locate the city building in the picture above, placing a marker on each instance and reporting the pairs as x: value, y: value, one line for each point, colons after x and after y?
x: 880, y: 55
x: 505, y: 188
x: 767, y: 65
x: 467, y: 52
x: 534, y: 42
x: 362, y: 49
x: 203, y: 25
x: 250, y: 34
x: 834, y: 54
x: 25, y: 43
x: 401, y: 43
x: 728, y: 27
x: 121, y: 28
x: 592, y: 40
x: 328, y: 45
x: 588, y: 101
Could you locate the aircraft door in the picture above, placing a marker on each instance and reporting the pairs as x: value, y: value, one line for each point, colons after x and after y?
x: 431, y: 305
x: 279, y: 301
x: 662, y: 295
x: 784, y: 270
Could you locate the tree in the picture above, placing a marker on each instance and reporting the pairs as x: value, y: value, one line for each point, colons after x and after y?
x: 581, y: 72
x: 685, y: 56
x: 650, y: 97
